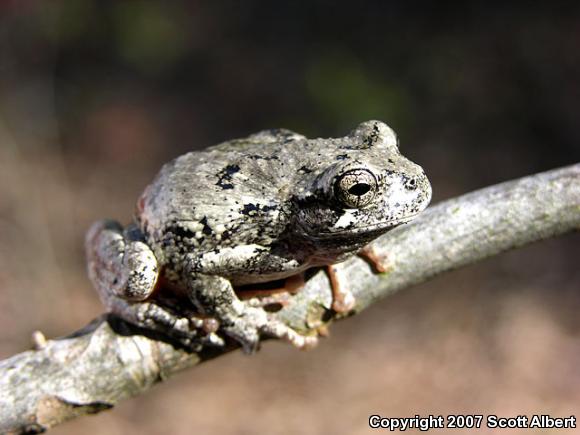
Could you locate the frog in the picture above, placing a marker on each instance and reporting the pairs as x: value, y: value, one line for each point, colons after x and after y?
x: 245, y: 212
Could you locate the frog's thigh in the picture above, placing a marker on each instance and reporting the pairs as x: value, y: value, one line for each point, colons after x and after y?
x: 241, y: 260
x: 118, y: 264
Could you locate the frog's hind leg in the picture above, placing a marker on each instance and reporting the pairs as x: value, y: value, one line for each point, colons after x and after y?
x: 124, y: 271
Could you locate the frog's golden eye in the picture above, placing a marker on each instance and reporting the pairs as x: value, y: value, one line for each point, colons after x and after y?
x: 355, y: 188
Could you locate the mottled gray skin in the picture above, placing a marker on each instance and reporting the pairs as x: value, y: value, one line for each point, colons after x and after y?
x: 250, y: 211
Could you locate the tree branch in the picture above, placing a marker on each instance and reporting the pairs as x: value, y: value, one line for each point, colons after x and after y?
x: 108, y: 360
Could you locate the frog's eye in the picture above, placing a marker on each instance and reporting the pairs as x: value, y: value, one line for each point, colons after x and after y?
x: 355, y: 188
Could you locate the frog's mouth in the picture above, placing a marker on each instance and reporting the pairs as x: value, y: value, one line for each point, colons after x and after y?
x: 369, y: 230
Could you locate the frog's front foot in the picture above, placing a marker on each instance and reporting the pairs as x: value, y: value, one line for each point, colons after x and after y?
x: 239, y: 319
x: 379, y: 262
x: 343, y: 301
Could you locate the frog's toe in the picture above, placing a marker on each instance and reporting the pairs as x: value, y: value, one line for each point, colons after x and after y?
x: 277, y: 329
x: 308, y: 342
x: 214, y: 340
x: 343, y: 303
x: 249, y: 339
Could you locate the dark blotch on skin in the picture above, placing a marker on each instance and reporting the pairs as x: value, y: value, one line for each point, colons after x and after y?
x: 206, y: 228
x: 248, y: 208
x: 258, y: 157
x: 225, y: 176
x: 182, y: 232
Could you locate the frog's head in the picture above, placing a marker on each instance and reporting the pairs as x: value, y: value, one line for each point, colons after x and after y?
x: 367, y: 189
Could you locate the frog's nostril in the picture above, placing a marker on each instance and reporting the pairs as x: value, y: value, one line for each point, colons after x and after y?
x: 410, y: 183
x: 359, y: 189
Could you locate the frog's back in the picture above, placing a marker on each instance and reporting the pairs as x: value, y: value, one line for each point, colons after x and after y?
x: 230, y: 194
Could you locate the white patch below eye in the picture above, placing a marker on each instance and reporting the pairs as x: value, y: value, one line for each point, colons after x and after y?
x: 400, y: 195
x: 347, y: 219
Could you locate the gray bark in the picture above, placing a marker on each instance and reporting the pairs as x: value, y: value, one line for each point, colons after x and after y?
x: 109, y: 361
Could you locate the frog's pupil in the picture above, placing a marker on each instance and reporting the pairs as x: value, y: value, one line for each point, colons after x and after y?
x: 359, y: 189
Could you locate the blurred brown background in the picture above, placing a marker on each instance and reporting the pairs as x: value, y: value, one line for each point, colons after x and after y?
x: 96, y: 95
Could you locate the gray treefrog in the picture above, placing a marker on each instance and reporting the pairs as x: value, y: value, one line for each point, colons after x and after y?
x: 249, y: 211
